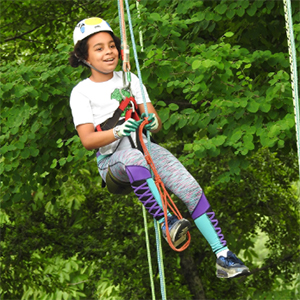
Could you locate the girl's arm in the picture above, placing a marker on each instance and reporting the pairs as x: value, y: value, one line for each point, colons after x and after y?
x: 94, y: 140
x: 152, y: 110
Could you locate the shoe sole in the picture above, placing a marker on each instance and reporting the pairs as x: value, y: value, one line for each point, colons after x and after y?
x: 233, y: 273
x: 179, y: 234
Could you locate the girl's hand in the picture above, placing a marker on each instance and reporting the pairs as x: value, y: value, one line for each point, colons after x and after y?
x: 153, y: 122
x: 126, y: 128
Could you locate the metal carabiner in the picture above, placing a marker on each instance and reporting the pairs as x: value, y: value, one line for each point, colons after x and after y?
x: 132, y: 106
x: 127, y: 89
x: 127, y: 85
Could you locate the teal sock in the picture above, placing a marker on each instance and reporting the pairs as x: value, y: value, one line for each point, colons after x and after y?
x: 207, y: 229
x: 156, y: 195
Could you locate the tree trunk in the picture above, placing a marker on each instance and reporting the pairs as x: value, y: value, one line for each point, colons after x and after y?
x: 190, y: 272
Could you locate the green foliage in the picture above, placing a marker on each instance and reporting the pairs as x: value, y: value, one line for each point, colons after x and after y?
x: 238, y: 97
x: 218, y: 73
x: 34, y: 116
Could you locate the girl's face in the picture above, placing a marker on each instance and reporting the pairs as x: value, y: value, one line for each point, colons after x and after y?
x: 102, y: 54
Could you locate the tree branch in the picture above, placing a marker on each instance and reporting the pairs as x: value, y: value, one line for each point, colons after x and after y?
x: 19, y: 36
x: 191, y: 275
x: 76, y: 283
x: 257, y: 270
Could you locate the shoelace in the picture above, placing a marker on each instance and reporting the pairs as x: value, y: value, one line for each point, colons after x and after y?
x: 231, y: 260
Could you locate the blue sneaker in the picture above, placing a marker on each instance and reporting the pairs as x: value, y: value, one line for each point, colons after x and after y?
x: 177, y: 228
x: 230, y: 266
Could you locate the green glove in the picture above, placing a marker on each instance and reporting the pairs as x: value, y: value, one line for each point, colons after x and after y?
x: 127, y: 127
x: 153, y: 122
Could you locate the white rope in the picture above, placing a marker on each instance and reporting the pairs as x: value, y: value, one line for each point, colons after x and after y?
x: 293, y: 67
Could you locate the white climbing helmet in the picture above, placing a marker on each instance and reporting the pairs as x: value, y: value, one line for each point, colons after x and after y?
x: 88, y: 27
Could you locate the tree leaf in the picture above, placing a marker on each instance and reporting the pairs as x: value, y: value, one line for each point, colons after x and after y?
x: 221, y: 8
x: 229, y: 34
x: 196, y: 64
x: 173, y: 106
x: 253, y: 106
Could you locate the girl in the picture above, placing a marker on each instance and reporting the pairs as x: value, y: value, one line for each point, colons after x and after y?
x: 94, y: 101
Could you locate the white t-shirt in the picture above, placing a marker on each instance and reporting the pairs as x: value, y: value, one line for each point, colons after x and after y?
x: 95, y: 102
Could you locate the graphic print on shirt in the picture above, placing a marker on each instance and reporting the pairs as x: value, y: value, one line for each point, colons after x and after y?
x: 116, y: 95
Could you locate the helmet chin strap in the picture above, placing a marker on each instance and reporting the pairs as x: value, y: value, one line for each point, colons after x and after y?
x: 89, y: 65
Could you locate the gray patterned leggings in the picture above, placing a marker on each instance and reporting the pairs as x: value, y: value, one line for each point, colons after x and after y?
x: 173, y: 174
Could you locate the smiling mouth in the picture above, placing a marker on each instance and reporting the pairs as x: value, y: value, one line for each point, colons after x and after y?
x: 109, y: 60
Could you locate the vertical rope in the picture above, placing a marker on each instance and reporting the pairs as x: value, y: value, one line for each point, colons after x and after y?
x: 124, y: 44
x: 140, y: 31
x: 120, y: 21
x: 148, y: 253
x: 160, y: 260
x: 136, y: 58
x: 156, y: 224
x: 158, y: 242
x: 293, y: 67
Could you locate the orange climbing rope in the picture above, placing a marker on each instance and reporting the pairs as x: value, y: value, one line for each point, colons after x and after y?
x: 167, y: 201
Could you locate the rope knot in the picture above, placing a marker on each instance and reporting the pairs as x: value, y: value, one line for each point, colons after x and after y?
x: 158, y: 180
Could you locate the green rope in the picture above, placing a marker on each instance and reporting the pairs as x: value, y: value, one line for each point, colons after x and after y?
x: 148, y: 253
x: 293, y: 67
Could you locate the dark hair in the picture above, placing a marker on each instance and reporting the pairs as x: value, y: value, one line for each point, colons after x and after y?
x: 81, y: 51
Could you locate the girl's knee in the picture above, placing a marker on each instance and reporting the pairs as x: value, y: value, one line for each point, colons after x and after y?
x: 135, y: 157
